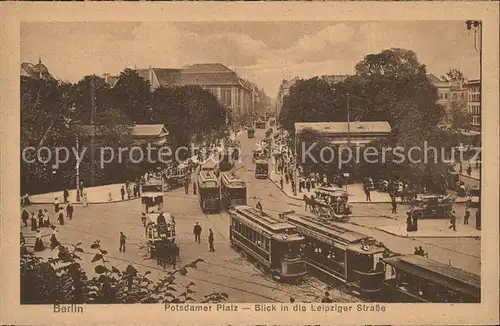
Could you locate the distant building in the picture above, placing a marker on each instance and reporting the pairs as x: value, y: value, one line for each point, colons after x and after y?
x: 283, y: 91
x: 231, y: 90
x: 358, y: 133
x: 451, y: 93
x: 473, y: 88
x: 335, y: 79
x: 38, y: 71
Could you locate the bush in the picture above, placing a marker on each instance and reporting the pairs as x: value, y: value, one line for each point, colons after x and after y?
x: 62, y: 280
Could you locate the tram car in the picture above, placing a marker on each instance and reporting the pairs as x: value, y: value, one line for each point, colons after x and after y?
x: 413, y: 278
x: 152, y: 197
x: 209, y: 191
x: 233, y: 190
x: 341, y: 254
x: 272, y: 244
x: 250, y: 133
x: 261, y: 169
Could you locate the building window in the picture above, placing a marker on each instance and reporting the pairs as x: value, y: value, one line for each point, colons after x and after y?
x: 445, y: 96
x: 454, y: 96
x: 225, y: 96
x: 462, y: 95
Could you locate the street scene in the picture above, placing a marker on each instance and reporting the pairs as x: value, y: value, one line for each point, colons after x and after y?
x: 301, y: 166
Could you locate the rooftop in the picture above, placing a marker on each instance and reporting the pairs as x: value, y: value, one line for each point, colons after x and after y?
x: 149, y: 130
x: 357, y: 127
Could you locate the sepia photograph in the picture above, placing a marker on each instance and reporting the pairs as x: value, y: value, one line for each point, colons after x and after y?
x: 319, y: 166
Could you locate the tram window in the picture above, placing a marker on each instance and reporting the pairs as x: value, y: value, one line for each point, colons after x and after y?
x: 266, y: 243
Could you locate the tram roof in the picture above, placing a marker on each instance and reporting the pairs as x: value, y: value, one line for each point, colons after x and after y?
x: 261, y: 162
x: 153, y: 182
x: 437, y: 272
x: 327, y: 228
x: 232, y: 180
x: 208, y: 177
x: 264, y: 220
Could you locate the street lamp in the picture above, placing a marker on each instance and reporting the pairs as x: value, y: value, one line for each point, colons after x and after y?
x: 77, y: 167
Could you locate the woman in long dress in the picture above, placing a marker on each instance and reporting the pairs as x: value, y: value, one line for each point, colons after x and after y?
x: 61, y: 217
x: 53, y: 238
x: 39, y: 246
x: 33, y: 222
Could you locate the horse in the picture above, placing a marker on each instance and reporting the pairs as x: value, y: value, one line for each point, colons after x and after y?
x: 166, y: 251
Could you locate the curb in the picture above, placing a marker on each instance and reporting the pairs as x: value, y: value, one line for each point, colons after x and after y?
x: 353, y: 202
x: 413, y: 237
x: 90, y: 203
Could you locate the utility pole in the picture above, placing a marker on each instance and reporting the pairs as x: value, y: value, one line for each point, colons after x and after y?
x: 92, y: 124
x: 348, y: 120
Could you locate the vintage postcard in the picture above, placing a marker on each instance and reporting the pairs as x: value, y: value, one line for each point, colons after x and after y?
x: 262, y: 163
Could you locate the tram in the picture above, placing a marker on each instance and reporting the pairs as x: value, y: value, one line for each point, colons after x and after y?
x: 152, y: 196
x: 208, y: 191
x: 226, y: 159
x: 274, y: 245
x: 336, y: 252
x: 413, y: 278
x: 261, y: 169
x: 250, y: 133
x: 233, y: 190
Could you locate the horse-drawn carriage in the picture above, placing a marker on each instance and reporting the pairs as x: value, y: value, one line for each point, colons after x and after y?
x: 160, y: 236
x: 331, y: 202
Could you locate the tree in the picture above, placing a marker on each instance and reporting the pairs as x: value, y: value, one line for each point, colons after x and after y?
x: 187, y: 112
x: 310, y: 100
x: 458, y: 116
x: 385, y: 82
x: 454, y: 74
x: 132, y: 95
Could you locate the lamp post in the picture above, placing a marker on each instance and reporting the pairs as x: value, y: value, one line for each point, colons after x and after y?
x: 77, y: 166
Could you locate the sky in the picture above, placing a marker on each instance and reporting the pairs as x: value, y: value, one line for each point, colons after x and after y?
x: 263, y: 52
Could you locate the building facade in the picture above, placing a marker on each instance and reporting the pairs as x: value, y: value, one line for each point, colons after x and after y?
x: 473, y: 88
x: 451, y: 94
x: 283, y: 91
x: 232, y: 91
x: 358, y: 133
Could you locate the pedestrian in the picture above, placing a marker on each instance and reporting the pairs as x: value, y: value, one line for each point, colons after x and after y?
x: 409, y: 223
x: 453, y: 221
x: 211, y: 240
x: 478, y: 219
x: 56, y: 205
x: 422, y: 252
x: 81, y: 188
x: 469, y: 170
x: 129, y: 192
x: 461, y: 169
x: 308, y: 184
x: 85, y: 201
x: 65, y: 195
x: 40, y: 218
x: 394, y: 205
x: 122, y: 191
x: 39, y: 246
x: 466, y: 216
x: 416, y: 251
x: 53, y: 238
x: 69, y: 211
x: 25, y: 217
x: 286, y: 178
x: 194, y: 187
x: 367, y: 194
x: 34, y: 226
x: 123, y: 239
x: 197, y: 232
x: 46, y: 218
x: 186, y: 186
x: 281, y: 183
x: 110, y: 197
x: 326, y: 298
x: 259, y: 206
x: 60, y: 218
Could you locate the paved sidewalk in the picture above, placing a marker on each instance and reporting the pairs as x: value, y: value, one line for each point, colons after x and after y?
x: 95, y: 195
x: 355, y: 191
